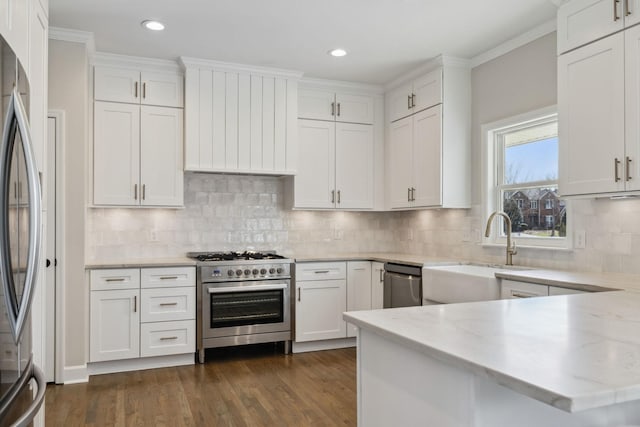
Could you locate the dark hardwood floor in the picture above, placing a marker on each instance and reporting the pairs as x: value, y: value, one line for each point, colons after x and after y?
x: 242, y: 386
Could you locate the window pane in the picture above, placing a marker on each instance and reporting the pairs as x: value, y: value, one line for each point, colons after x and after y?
x: 536, y: 212
x: 530, y: 160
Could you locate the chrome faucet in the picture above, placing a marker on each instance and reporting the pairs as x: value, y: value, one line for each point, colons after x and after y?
x: 511, y: 249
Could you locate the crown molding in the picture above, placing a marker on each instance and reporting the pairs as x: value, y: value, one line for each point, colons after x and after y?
x: 315, y: 83
x: 431, y: 64
x: 136, y: 62
x: 74, y: 36
x: 516, y: 42
x: 188, y: 62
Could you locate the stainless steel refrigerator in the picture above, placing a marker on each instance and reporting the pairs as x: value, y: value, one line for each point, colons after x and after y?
x: 22, y: 384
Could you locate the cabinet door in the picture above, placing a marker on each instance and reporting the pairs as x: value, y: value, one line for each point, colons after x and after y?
x: 400, y: 162
x: 511, y: 289
x: 316, y: 104
x: 427, y: 157
x: 427, y: 90
x: 399, y: 102
x: 354, y: 166
x: 354, y: 108
x: 583, y: 21
x: 358, y: 290
x: 161, y: 174
x: 633, y: 11
x: 164, y: 89
x: 377, y: 285
x: 116, y: 85
x: 114, y: 325
x: 591, y: 97
x: 116, y: 154
x: 319, y: 308
x: 632, y: 109
x: 315, y: 181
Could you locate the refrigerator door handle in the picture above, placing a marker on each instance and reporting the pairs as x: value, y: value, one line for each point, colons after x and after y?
x: 33, y: 409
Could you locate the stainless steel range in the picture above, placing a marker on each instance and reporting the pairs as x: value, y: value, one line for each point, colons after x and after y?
x: 242, y: 298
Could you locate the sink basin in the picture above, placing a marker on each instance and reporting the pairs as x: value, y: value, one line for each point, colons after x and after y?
x: 462, y: 283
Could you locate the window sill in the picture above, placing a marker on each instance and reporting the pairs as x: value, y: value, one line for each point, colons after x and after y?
x: 519, y: 246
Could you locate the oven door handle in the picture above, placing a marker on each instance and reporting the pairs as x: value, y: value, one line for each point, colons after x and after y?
x: 250, y: 288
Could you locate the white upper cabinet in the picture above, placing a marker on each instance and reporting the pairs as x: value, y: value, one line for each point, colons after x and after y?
x: 315, y: 181
x: 416, y: 95
x: 354, y: 166
x: 14, y: 27
x: 240, y: 119
x: 591, y: 99
x: 584, y: 21
x: 136, y: 87
x: 317, y: 104
x: 428, y: 150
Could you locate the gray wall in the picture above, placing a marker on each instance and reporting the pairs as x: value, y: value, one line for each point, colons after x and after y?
x: 68, y: 91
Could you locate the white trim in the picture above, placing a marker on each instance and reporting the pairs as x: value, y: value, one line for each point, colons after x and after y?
x: 432, y: 64
x: 515, y: 43
x: 128, y: 365
x: 188, y: 62
x: 303, y: 347
x: 489, y: 191
x: 75, y: 374
x: 136, y: 62
x: 60, y: 117
x: 74, y: 36
x: 308, y: 82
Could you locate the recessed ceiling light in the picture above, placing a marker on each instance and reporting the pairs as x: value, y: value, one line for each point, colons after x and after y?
x: 153, y: 25
x: 337, y: 52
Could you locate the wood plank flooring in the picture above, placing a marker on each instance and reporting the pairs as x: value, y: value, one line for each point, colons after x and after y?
x: 243, y: 386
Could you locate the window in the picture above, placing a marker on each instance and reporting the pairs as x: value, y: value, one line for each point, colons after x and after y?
x: 522, y: 173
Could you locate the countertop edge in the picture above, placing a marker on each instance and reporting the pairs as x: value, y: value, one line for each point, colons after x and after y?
x: 521, y: 276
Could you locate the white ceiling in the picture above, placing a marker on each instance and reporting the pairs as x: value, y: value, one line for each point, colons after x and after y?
x: 384, y: 38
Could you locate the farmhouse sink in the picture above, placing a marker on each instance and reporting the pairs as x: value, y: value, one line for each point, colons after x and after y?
x: 462, y: 283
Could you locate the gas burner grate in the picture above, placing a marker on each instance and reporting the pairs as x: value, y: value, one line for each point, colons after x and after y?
x: 234, y: 256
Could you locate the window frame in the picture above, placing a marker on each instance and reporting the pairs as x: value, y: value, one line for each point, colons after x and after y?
x: 492, y: 169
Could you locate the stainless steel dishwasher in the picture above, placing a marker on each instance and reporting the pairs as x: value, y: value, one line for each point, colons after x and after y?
x: 402, y: 285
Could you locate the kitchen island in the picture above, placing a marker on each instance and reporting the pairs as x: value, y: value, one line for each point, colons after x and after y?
x: 552, y: 361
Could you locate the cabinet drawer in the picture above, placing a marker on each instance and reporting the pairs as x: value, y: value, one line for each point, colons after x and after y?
x: 159, y: 305
x: 125, y: 278
x: 168, y: 277
x: 512, y: 290
x: 164, y: 338
x: 321, y: 271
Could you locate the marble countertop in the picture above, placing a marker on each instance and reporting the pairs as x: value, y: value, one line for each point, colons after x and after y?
x: 142, y: 263
x: 590, y: 282
x: 408, y: 259
x: 573, y: 352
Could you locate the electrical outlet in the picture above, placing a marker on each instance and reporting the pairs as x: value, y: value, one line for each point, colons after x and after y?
x: 467, y: 235
x: 410, y: 234
x: 153, y: 236
x: 580, y: 239
x: 338, y: 234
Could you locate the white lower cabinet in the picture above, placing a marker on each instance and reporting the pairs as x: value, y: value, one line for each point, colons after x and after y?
x: 377, y: 285
x: 512, y: 289
x: 358, y: 290
x: 141, y: 313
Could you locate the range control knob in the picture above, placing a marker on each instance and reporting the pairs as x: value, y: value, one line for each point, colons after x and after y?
x: 263, y: 271
x: 230, y: 273
x: 272, y: 270
x: 280, y: 270
x: 247, y: 272
x: 255, y: 271
x: 238, y: 272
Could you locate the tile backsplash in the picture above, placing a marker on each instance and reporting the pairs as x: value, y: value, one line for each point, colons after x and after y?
x: 235, y: 212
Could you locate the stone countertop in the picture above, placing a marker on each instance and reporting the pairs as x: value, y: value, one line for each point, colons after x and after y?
x: 407, y: 259
x: 590, y: 282
x: 581, y: 352
x: 142, y: 263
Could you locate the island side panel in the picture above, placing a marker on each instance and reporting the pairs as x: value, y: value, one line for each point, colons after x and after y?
x: 399, y: 386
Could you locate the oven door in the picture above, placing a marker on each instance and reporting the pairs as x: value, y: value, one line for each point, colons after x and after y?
x: 245, y: 308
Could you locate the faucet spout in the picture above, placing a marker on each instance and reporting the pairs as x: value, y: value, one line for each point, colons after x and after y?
x: 511, y: 248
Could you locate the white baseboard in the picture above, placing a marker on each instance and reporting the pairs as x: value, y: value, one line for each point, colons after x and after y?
x: 75, y: 374
x: 302, y: 347
x: 110, y: 367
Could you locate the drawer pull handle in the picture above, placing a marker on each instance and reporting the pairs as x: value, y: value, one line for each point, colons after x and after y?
x: 167, y: 304
x: 321, y: 271
x: 168, y: 338
x: 119, y: 279
x: 522, y: 295
x: 135, y: 303
x: 169, y: 278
